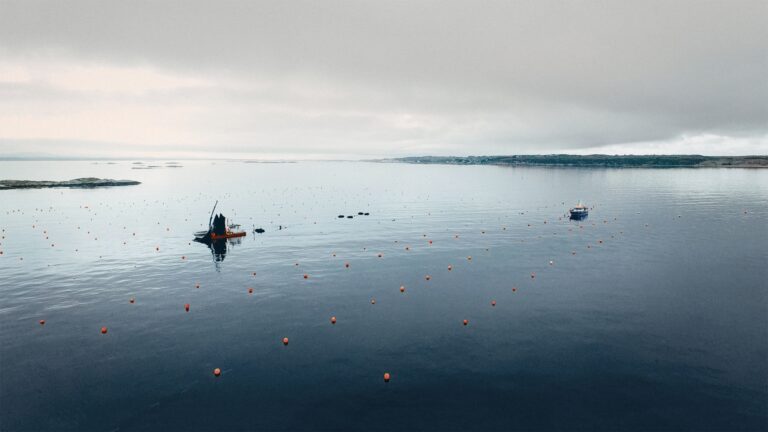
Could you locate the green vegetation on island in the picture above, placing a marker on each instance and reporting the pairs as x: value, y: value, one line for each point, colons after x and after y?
x: 611, y: 161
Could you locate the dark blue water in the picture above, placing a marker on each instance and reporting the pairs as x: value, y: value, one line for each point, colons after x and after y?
x: 652, y: 315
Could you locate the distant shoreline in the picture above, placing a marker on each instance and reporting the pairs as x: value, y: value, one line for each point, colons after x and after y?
x: 85, y: 182
x: 593, y: 161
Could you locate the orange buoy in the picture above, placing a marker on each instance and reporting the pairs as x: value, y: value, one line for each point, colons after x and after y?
x: 386, y: 377
x: 402, y: 288
x: 466, y: 322
x: 450, y: 267
x: 333, y: 320
x: 514, y: 289
x: 493, y: 302
x: 285, y: 341
x: 186, y: 307
x: 250, y: 290
x: 217, y: 372
x: 427, y: 277
x: 103, y: 330
x: 430, y: 242
x: 306, y: 276
x: 132, y: 300
x: 42, y: 322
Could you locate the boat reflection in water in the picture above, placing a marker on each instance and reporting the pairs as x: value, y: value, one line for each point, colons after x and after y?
x: 219, y: 247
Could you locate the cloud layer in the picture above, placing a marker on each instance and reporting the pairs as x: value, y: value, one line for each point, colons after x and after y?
x: 366, y: 79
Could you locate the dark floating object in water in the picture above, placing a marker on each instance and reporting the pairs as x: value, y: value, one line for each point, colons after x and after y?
x: 85, y: 182
x: 258, y: 230
x: 366, y: 213
x: 341, y: 216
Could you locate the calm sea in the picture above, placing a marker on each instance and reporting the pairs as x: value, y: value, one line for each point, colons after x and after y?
x: 652, y: 314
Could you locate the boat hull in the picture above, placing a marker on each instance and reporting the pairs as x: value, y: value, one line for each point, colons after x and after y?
x: 227, y: 235
x: 578, y: 215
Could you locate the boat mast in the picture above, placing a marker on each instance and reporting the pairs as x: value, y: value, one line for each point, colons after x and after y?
x: 210, y: 220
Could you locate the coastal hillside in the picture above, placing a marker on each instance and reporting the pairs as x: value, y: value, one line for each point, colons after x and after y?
x: 615, y: 161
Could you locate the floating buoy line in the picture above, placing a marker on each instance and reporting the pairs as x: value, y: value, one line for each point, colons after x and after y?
x: 333, y: 319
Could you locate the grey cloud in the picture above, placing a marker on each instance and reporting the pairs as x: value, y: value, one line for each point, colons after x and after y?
x: 503, y: 75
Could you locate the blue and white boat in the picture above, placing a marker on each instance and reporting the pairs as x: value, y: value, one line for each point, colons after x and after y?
x: 579, y: 212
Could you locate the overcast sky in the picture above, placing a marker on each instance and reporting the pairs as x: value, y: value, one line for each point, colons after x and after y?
x: 329, y: 79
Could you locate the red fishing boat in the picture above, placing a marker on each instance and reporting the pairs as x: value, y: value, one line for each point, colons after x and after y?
x: 218, y: 228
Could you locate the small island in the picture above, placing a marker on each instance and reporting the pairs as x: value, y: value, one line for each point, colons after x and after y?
x: 85, y: 182
x: 598, y: 160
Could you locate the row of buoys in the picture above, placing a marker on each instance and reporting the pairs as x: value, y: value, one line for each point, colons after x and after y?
x: 217, y: 371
